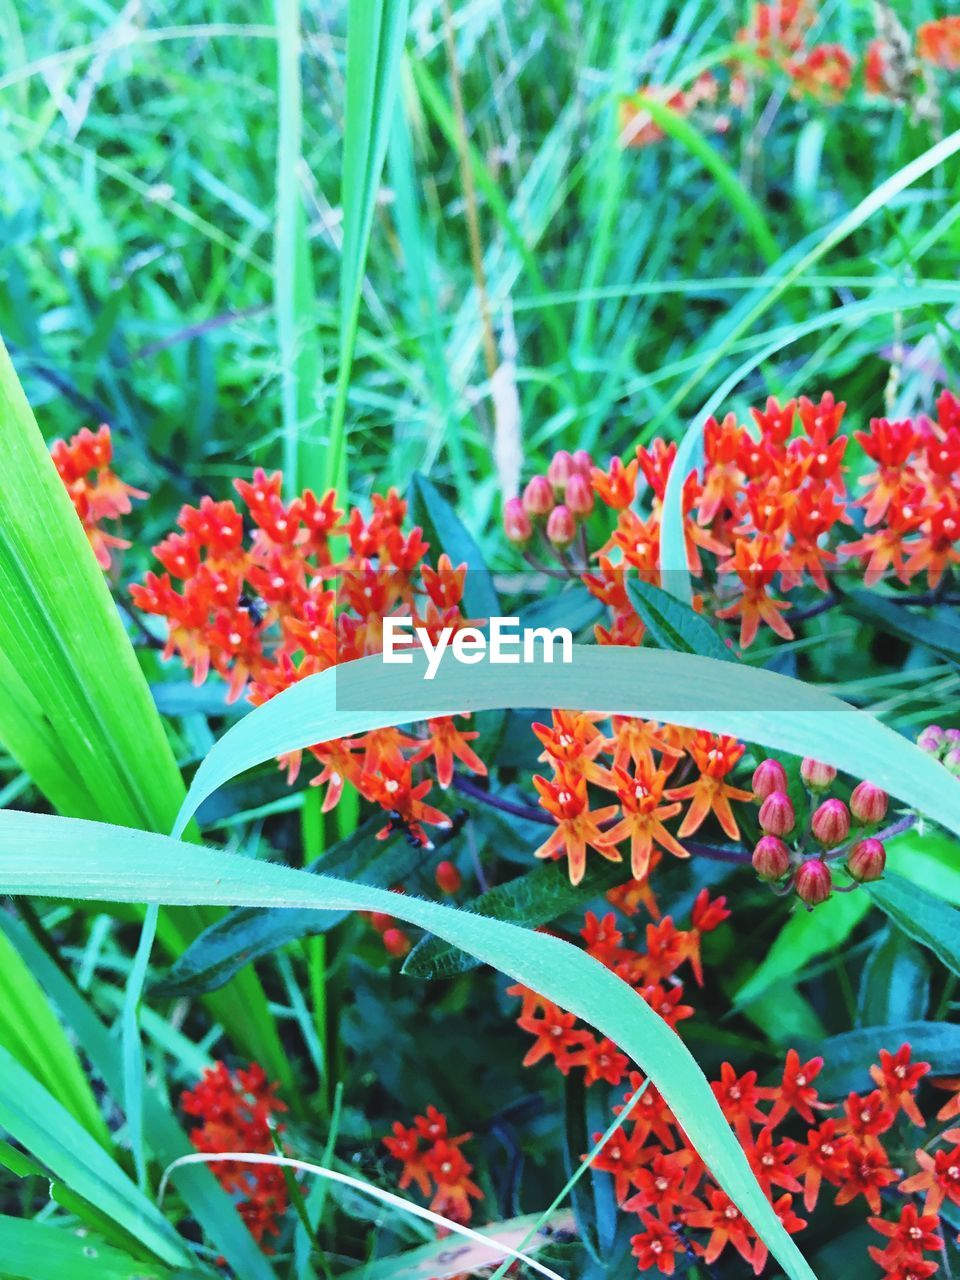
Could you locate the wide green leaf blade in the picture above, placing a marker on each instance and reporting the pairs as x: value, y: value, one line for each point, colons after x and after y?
x: 847, y: 1057
x: 75, y: 708
x: 672, y: 624
x: 43, y: 1251
x: 32, y: 1033
x: 755, y: 705
x: 39, y: 855
x: 921, y: 916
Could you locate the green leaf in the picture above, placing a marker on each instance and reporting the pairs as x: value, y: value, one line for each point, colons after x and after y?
x: 805, y: 936
x: 755, y: 705
x: 246, y: 935
x: 533, y: 899
x: 927, y: 628
x: 445, y: 531
x: 921, y: 916
x: 589, y: 1199
x: 895, y: 983
x: 848, y: 1057
x: 51, y: 1135
x: 293, y: 287
x: 738, y: 197
x: 208, y: 1203
x: 673, y: 624
x: 43, y: 1251
x: 376, y: 30
x: 928, y: 858
x: 32, y: 1033
x: 75, y: 708
x: 60, y: 857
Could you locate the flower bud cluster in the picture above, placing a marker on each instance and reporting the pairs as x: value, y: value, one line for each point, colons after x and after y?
x: 804, y: 868
x: 555, y: 503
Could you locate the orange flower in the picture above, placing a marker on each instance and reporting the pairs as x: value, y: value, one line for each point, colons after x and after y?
x: 939, y: 42
x: 755, y: 563
x: 446, y: 741
x: 714, y: 756
x: 577, y: 827
x: 643, y: 817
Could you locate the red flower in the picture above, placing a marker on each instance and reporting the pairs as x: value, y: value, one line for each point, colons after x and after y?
x: 656, y: 1246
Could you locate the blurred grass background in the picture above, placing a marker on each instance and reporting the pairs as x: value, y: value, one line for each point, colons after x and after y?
x: 168, y: 255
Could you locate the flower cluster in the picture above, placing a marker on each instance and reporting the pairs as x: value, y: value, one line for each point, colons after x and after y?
x: 238, y: 1113
x: 766, y: 516
x: 267, y: 601
x: 804, y: 866
x: 650, y: 971
x: 432, y: 1159
x: 632, y: 765
x: 96, y: 491
x: 797, y: 1143
x: 943, y: 745
x: 777, y: 37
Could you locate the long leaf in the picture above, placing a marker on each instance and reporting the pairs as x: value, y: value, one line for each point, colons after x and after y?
x: 376, y: 30
x: 52, y: 1136
x: 43, y: 1251
x: 921, y: 916
x: 207, y: 1201
x: 758, y: 706
x: 32, y: 1033
x: 39, y: 855
x: 75, y: 708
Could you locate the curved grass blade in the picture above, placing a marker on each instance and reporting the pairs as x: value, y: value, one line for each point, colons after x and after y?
x: 39, y: 856
x: 673, y: 555
x: 755, y: 705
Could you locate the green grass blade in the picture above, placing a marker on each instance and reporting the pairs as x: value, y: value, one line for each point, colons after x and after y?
x: 77, y: 712
x: 38, y: 855
x: 207, y: 1202
x: 673, y: 555
x: 759, y: 706
x: 293, y: 291
x: 42, y: 1251
x: 32, y: 1033
x: 376, y: 30
x: 52, y: 1136
x: 737, y: 196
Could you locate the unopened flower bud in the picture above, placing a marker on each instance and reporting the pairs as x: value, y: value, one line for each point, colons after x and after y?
x: 538, y: 497
x: 561, y: 527
x: 813, y: 882
x: 867, y: 859
x: 769, y: 776
x: 583, y: 463
x: 448, y: 877
x: 951, y: 762
x: 578, y: 495
x: 777, y: 817
x: 516, y: 522
x: 396, y: 942
x: 816, y: 775
x: 831, y: 823
x: 952, y: 737
x: 869, y: 803
x: 560, y: 470
x: 932, y: 739
x: 380, y: 920
x: 771, y: 858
